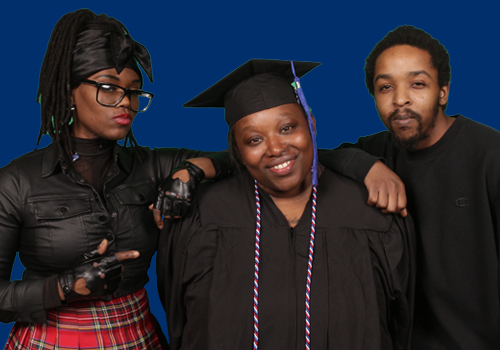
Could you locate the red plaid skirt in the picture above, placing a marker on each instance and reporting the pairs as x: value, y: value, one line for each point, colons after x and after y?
x: 122, y: 323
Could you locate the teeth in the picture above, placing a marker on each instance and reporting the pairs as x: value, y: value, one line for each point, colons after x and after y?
x: 281, y: 166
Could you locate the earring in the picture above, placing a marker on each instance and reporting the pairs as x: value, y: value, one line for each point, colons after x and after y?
x: 72, y: 108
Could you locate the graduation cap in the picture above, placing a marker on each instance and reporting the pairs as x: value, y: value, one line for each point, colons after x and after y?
x: 256, y: 85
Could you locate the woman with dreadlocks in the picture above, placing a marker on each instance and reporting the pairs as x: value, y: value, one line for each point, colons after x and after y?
x: 85, y: 191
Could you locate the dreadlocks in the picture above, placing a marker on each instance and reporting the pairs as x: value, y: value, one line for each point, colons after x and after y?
x: 55, y: 88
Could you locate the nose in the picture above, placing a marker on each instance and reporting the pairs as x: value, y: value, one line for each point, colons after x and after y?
x: 401, y: 97
x: 275, y: 146
x: 125, y: 102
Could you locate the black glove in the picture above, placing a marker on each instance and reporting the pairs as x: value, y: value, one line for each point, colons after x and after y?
x: 180, y: 195
x: 90, y: 267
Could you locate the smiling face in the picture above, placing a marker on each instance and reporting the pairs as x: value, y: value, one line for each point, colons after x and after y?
x: 408, y: 97
x: 93, y: 120
x: 276, y: 147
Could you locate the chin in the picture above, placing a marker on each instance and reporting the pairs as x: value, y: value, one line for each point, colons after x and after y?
x: 116, y: 136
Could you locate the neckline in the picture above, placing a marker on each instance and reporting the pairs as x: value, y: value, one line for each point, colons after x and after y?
x: 443, y: 142
x: 92, y: 147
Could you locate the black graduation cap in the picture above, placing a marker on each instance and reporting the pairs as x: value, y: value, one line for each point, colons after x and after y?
x: 256, y: 85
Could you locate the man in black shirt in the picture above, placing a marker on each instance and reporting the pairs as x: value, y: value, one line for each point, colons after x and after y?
x: 451, y: 169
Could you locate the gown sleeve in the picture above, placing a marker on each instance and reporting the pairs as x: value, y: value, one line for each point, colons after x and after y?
x: 393, y: 258
x: 180, y: 278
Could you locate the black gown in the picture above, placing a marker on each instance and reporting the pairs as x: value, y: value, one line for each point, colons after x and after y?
x: 362, y: 278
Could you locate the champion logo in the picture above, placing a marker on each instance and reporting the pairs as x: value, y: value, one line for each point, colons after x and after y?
x: 461, y: 202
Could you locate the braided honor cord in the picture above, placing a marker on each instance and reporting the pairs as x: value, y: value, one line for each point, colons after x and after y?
x: 257, y: 262
x: 256, y: 273
x: 310, y: 267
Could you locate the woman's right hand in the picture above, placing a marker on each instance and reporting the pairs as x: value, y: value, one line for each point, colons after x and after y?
x: 95, y: 275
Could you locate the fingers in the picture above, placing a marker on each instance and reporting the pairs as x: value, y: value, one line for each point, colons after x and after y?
x: 101, y: 249
x: 158, y: 219
x: 131, y: 254
x: 372, y: 196
x: 390, y: 202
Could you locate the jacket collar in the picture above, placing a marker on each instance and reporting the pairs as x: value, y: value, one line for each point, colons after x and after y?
x: 55, y: 158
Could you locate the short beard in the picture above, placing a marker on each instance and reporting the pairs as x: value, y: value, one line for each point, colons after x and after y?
x: 411, y: 143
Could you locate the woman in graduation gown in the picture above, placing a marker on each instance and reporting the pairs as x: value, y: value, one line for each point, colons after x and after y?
x: 60, y: 202
x: 281, y: 256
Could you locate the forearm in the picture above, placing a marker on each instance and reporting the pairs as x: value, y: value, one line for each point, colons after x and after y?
x: 22, y: 301
x: 351, y: 162
x: 206, y: 165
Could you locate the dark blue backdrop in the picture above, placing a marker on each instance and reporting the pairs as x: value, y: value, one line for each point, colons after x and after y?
x: 195, y: 43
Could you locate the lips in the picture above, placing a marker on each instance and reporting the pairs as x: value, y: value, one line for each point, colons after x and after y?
x: 282, y: 167
x: 403, y: 120
x: 123, y: 119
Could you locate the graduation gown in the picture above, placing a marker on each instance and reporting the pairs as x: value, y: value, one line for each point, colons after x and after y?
x: 362, y: 279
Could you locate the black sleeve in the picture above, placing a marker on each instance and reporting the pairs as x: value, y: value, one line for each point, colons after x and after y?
x: 170, y: 265
x: 354, y: 160
x: 394, y: 265
x: 224, y: 166
x: 353, y: 163
x: 168, y: 158
x: 195, y: 284
x: 51, y: 298
x: 21, y: 301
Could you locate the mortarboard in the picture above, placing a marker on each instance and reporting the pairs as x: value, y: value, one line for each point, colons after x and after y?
x: 256, y: 85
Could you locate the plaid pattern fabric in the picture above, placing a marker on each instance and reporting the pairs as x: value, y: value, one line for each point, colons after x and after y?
x: 122, y: 323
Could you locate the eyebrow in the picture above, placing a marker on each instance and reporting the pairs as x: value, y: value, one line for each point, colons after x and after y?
x: 108, y: 76
x: 284, y: 114
x: 412, y: 74
x: 418, y: 72
x: 116, y: 78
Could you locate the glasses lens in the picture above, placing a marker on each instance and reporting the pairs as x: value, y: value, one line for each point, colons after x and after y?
x: 109, y: 95
x: 140, y: 102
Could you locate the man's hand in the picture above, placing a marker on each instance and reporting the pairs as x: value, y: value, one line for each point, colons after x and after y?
x: 386, y: 190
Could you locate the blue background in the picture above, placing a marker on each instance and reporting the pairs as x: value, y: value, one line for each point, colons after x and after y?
x: 193, y: 44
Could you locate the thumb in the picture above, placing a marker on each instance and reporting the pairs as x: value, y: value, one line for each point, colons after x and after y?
x: 101, y: 249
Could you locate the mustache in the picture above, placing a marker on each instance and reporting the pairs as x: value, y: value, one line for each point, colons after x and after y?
x: 405, y: 113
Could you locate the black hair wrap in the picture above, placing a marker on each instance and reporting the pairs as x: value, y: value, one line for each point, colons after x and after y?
x: 101, y: 46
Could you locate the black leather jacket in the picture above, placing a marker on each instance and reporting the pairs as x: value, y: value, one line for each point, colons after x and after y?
x: 50, y: 215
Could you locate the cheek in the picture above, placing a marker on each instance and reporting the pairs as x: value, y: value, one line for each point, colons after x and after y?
x: 249, y: 156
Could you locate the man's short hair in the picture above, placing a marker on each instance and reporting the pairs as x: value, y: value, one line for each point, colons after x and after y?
x: 409, y: 35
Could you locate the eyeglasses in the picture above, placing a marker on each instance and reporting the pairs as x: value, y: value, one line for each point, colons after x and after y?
x: 110, y: 95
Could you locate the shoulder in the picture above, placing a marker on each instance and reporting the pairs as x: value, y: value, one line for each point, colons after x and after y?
x: 32, y: 161
x: 478, y: 142
x: 379, y: 138
x: 478, y: 131
x: 342, y: 202
x: 229, y: 202
x: 379, y: 144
